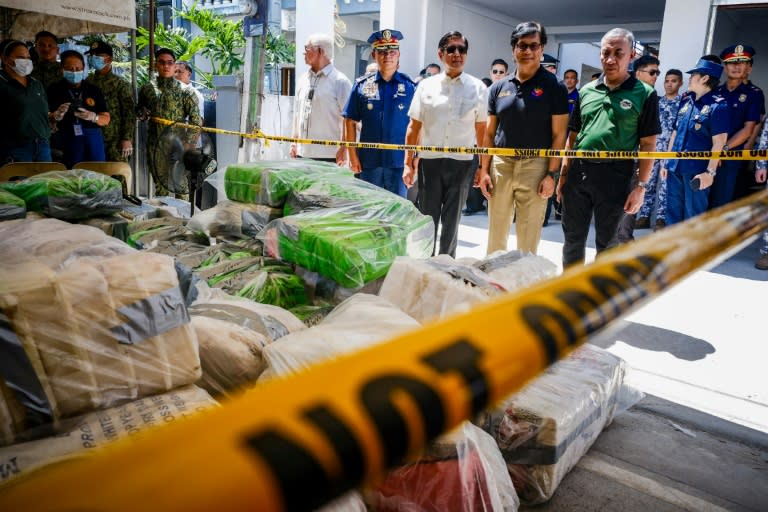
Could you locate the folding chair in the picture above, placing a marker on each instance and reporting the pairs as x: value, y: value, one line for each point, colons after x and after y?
x: 114, y: 169
x: 20, y: 170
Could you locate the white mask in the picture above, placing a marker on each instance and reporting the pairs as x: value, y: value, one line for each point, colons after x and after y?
x: 23, y: 66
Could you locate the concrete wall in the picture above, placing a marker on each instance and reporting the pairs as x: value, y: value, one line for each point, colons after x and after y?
x: 683, y: 36
x: 745, y: 27
x: 575, y: 56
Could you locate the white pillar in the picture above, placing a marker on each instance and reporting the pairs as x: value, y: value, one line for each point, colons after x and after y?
x: 312, y: 16
x: 420, y: 21
x: 683, y: 36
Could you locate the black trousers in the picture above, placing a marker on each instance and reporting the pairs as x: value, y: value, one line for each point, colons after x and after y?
x: 593, y: 188
x: 443, y: 186
x: 475, y: 198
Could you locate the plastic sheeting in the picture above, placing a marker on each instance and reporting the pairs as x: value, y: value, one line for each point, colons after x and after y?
x: 547, y: 427
x: 87, y: 324
x: 461, y: 472
x: 232, y: 219
x: 11, y: 206
x: 69, y: 195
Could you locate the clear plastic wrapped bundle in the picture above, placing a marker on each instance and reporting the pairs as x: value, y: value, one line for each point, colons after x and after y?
x: 269, y: 182
x: 69, y: 195
x: 233, y: 219
x: 462, y: 472
x: 232, y: 333
x: 545, y: 429
x: 436, y: 287
x: 149, y: 233
x: 80, y: 435
x: 87, y: 331
x: 515, y: 270
x: 11, y: 206
x: 360, y: 321
x: 352, y: 245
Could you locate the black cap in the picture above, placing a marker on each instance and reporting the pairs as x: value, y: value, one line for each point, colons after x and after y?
x: 100, y: 48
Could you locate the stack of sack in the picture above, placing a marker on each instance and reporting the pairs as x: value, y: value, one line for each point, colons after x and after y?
x: 90, y: 323
x: 545, y: 429
x: 440, y: 286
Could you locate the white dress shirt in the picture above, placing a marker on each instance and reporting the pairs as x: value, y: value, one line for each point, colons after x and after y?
x: 319, y: 117
x: 448, y: 109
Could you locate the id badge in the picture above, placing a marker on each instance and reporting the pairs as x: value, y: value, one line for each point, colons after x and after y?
x: 78, y: 130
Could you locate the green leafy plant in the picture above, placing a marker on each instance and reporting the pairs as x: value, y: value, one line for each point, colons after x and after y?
x: 223, y: 40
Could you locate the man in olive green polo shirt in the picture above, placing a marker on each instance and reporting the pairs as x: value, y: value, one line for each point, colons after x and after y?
x: 614, y: 113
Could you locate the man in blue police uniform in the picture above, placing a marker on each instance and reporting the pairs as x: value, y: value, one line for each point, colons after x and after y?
x: 380, y: 102
x: 744, y: 112
x: 702, y: 125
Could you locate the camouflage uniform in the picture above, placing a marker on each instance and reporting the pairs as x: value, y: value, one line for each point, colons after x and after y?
x: 122, y: 111
x: 656, y: 193
x: 762, y: 143
x: 47, y: 73
x: 169, y: 99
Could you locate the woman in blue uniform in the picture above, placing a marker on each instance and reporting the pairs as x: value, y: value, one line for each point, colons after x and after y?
x: 81, y: 111
x: 702, y: 125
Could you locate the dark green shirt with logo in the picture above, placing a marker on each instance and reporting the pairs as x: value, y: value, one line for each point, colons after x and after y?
x: 615, y: 119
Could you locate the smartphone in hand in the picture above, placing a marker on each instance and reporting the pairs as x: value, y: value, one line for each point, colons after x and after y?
x: 695, y: 183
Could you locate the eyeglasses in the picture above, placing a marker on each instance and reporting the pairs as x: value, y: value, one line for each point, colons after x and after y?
x: 455, y: 48
x: 523, y: 47
x: 652, y: 72
x: 498, y: 71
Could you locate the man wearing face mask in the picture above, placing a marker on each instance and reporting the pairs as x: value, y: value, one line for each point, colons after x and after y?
x: 80, y: 112
x: 24, y: 132
x: 118, y: 134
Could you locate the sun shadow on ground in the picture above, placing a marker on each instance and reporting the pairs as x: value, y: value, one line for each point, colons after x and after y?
x: 647, y: 337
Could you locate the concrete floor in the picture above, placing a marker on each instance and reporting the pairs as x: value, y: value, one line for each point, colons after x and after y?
x: 699, y: 440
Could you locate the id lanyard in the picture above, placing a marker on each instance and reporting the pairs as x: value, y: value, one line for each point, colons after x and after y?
x: 76, y: 126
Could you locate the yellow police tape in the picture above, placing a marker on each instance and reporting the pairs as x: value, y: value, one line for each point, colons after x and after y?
x: 746, y: 154
x: 294, y: 443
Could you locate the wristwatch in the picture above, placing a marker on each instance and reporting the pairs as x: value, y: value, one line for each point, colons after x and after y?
x: 642, y: 184
x: 712, y: 173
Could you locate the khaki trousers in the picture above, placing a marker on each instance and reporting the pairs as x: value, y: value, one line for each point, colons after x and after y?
x: 515, y: 194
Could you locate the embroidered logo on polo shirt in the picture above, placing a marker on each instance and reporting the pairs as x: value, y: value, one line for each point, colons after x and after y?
x: 537, y: 92
x: 743, y: 98
x: 90, y: 102
x: 625, y: 104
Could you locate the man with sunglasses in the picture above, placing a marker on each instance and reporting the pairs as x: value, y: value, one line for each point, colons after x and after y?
x: 448, y: 109
x: 527, y: 110
x: 321, y: 94
x: 380, y: 102
x: 617, y: 112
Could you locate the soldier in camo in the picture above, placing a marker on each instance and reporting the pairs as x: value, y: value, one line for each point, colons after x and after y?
x: 656, y: 193
x: 47, y: 70
x: 167, y: 98
x: 118, y: 134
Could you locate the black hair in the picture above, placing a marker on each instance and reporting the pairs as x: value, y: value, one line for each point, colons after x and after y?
x: 72, y: 53
x: 433, y: 65
x: 450, y: 35
x: 186, y: 65
x: 487, y: 81
x: 646, y: 60
x: 571, y: 71
x: 166, y: 51
x: 45, y: 33
x: 675, y: 72
x: 712, y: 58
x: 9, y: 45
x: 528, y: 28
x: 500, y: 61
x: 595, y: 76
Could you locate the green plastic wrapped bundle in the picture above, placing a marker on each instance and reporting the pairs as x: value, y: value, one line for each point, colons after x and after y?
x: 334, y: 191
x: 352, y: 245
x: 269, y: 182
x: 276, y: 285
x: 69, y: 195
x: 11, y: 206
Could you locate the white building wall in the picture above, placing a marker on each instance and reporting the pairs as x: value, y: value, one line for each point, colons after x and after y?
x: 311, y: 16
x: 575, y: 56
x: 683, y: 36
